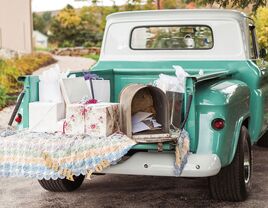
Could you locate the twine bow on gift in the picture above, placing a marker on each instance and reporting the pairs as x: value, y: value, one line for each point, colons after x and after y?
x: 113, y: 121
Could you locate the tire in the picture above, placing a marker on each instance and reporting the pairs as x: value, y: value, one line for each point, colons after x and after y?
x: 263, y: 141
x: 233, y: 183
x: 62, y: 185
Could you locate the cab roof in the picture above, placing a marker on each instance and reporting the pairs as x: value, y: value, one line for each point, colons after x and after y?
x: 177, y: 14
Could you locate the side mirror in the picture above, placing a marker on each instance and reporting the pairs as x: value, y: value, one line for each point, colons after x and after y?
x: 263, y: 53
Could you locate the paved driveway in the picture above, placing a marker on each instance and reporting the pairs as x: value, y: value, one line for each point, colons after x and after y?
x: 112, y: 191
x: 133, y: 191
x: 68, y: 63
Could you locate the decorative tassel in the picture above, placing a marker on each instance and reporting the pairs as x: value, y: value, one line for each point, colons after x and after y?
x: 181, y: 152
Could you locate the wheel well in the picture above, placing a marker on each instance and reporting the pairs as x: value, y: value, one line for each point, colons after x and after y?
x: 235, y: 142
x: 246, y: 122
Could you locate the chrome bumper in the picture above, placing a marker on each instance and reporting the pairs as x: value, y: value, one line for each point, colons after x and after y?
x: 162, y: 164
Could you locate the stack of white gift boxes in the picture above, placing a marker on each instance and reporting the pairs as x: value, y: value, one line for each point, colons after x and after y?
x: 64, y: 106
x: 45, y: 114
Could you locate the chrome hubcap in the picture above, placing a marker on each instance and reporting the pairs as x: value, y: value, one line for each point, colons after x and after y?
x: 247, y: 167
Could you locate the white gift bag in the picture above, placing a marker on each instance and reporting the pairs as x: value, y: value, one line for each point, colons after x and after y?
x: 172, y: 83
x: 50, y: 92
x: 101, y: 89
x: 49, y: 85
x: 74, y: 90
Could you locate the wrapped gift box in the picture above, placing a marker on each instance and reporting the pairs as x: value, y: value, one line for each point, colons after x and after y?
x: 75, y: 119
x: 60, y: 126
x: 43, y: 117
x: 101, y: 119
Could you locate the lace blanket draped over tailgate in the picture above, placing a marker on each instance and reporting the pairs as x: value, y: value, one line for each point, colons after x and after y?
x: 53, y: 156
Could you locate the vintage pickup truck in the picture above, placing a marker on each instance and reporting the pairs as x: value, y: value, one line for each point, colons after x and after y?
x: 228, y: 87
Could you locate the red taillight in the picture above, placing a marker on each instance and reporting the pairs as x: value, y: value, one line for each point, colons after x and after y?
x: 217, y: 124
x: 18, y: 119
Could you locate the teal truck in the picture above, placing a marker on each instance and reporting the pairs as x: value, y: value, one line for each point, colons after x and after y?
x: 227, y: 84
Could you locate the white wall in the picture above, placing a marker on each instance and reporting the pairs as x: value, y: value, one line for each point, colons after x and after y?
x: 16, y: 25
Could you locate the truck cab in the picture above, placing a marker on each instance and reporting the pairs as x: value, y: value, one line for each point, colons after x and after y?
x: 227, y: 84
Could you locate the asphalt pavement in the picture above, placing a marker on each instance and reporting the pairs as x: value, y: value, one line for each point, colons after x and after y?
x: 112, y: 191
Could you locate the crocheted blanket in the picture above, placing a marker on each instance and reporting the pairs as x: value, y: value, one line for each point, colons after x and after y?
x: 53, y: 156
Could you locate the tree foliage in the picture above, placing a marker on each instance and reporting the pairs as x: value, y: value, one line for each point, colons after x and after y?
x: 85, y: 26
x: 68, y: 18
x: 261, y: 23
x: 173, y: 4
x: 42, y: 22
x: 65, y: 26
x: 239, y: 4
x: 154, y: 4
x: 38, y: 23
x: 82, y: 27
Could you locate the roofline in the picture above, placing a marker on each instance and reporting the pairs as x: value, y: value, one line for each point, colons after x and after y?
x: 149, y: 13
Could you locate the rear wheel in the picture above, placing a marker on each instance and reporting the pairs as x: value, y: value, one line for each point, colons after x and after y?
x: 233, y: 182
x: 62, y: 185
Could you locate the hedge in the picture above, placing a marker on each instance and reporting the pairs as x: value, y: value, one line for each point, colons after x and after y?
x: 11, y: 69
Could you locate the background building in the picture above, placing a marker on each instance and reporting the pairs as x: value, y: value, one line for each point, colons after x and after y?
x: 40, y: 39
x: 16, y: 25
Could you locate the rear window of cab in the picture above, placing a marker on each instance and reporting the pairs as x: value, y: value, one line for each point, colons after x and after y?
x: 184, y: 37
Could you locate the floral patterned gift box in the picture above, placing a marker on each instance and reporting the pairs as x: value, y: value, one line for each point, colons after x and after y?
x: 100, y: 119
x: 75, y: 119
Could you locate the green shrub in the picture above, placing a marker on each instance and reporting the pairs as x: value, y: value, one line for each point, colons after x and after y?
x: 88, y: 44
x: 67, y: 44
x: 11, y: 69
x: 27, y: 64
x: 3, y: 97
x: 8, y: 77
x: 93, y: 56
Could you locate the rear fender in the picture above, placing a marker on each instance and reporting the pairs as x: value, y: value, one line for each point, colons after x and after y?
x: 226, y: 99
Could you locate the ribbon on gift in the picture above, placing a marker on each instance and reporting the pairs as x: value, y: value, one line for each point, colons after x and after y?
x: 112, y: 115
x: 89, y: 76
